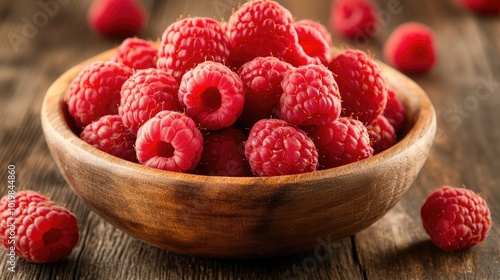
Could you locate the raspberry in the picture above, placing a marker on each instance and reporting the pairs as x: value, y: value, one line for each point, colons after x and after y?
x: 411, y: 49
x: 261, y: 28
x: 224, y: 154
x: 325, y: 34
x: 117, y: 18
x: 212, y: 94
x: 394, y: 111
x: 310, y: 96
x: 191, y: 41
x: 262, y: 79
x: 340, y: 142
x: 136, y: 53
x: 146, y: 93
x: 313, y: 41
x: 275, y: 147
x: 95, y: 92
x: 108, y: 134
x: 362, y: 87
x: 382, y: 134
x: 44, y: 232
x: 352, y: 18
x: 169, y: 141
x: 482, y: 6
x: 455, y: 218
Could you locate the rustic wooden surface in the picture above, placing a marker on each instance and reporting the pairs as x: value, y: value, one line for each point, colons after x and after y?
x: 464, y: 87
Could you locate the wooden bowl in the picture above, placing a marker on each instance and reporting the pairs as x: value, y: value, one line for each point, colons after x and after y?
x: 239, y: 217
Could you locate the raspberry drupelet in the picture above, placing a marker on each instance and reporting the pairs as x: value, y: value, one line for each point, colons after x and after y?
x: 411, y: 48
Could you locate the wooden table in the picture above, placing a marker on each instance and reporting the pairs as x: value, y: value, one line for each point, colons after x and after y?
x: 464, y: 88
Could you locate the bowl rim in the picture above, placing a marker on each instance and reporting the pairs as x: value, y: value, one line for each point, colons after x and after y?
x: 53, y: 119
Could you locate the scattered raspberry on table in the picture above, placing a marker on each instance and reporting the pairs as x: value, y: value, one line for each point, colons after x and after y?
x: 455, y: 218
x: 45, y: 232
x: 482, y: 6
x: 354, y: 18
x: 411, y: 48
x: 117, y: 18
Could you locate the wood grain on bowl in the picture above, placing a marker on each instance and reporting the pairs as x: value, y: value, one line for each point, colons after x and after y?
x: 239, y: 217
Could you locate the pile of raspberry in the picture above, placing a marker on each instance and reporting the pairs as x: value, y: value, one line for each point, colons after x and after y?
x: 258, y: 95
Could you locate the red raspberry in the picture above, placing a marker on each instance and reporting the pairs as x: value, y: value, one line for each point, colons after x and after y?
x: 44, y: 232
x: 314, y: 40
x: 212, y: 94
x: 310, y: 96
x: 382, y: 134
x: 108, y: 134
x: 261, y: 28
x: 146, y: 93
x: 275, y: 148
x: 394, y: 111
x: 136, y: 53
x: 482, y: 6
x: 224, y: 154
x: 455, y: 218
x: 340, y: 142
x: 117, y: 18
x: 325, y: 34
x: 262, y: 79
x: 352, y: 18
x: 362, y: 86
x: 169, y: 141
x: 95, y: 92
x: 411, y: 48
x: 191, y: 41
